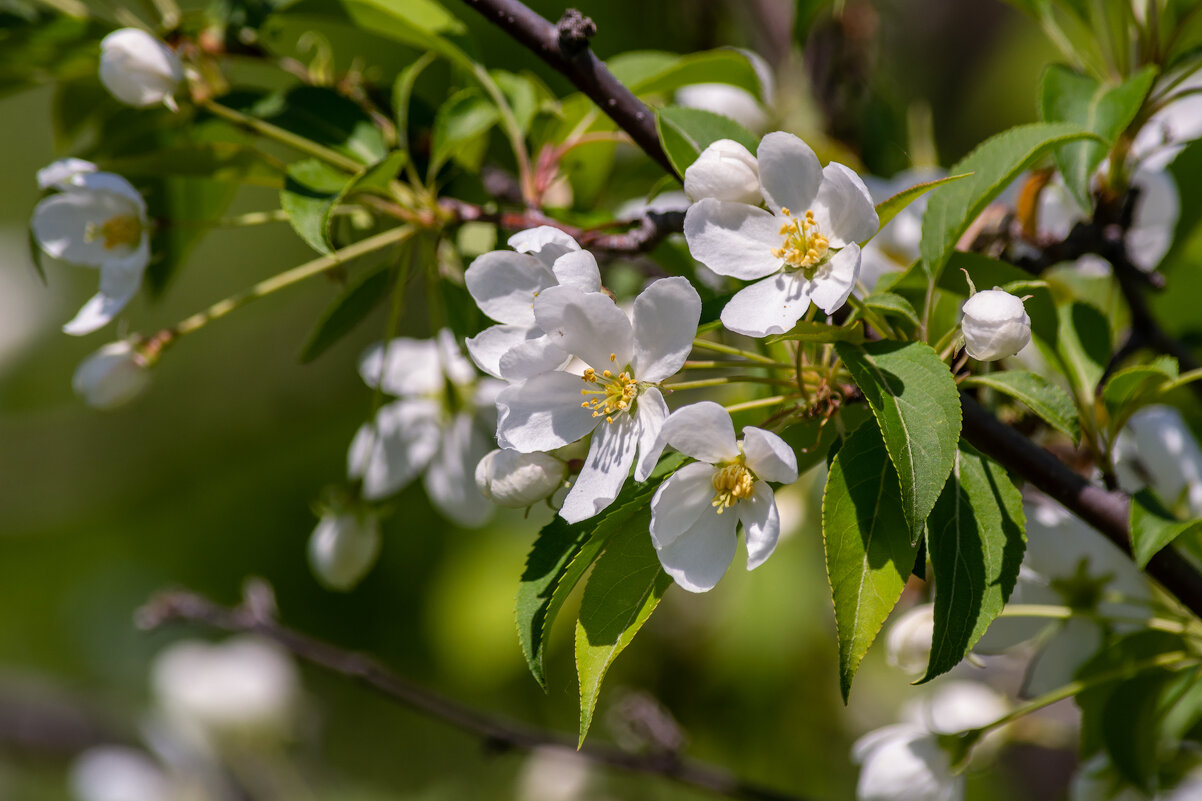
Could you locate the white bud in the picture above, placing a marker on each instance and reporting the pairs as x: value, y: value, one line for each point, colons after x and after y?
x: 517, y: 480
x: 904, y: 762
x: 995, y: 325
x: 908, y: 645
x: 343, y: 548
x: 729, y: 101
x: 111, y: 376
x: 117, y: 773
x: 138, y: 69
x: 726, y: 171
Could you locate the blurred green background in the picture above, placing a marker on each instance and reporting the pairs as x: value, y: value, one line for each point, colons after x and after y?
x: 208, y: 477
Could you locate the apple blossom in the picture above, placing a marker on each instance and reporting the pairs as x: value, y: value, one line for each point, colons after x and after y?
x: 804, y: 249
x: 97, y: 219
x: 623, y: 357
x: 1167, y: 132
x: 904, y: 762
x: 725, y: 170
x: 138, y: 69
x: 118, y: 773
x: 1158, y: 450
x: 504, y: 284
x: 995, y: 325
x: 518, y: 480
x: 112, y: 376
x: 695, y: 511
x: 343, y: 547
x: 908, y: 644
x: 437, y: 427
x: 733, y: 101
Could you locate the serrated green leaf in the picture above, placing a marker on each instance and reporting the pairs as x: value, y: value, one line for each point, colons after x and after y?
x: 309, y: 193
x: 685, y: 132
x: 459, y: 125
x: 370, y: 180
x: 892, y: 305
x: 976, y: 537
x: 1153, y: 527
x: 347, y: 311
x: 814, y: 331
x: 913, y: 396
x: 1130, y: 723
x: 626, y: 585
x: 1083, y: 346
x: 1041, y: 396
x: 890, y: 207
x: 1103, y: 109
x: 994, y: 164
x: 867, y: 544
x: 1131, y: 388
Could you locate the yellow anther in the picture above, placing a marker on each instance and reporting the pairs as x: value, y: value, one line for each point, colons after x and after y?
x: 607, y: 373
x: 613, y: 357
x: 785, y: 211
x: 804, y: 245
x: 123, y: 229
x: 732, y: 483
x: 590, y: 375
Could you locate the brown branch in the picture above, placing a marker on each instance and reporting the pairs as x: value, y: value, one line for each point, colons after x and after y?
x: 565, y: 48
x: 256, y: 615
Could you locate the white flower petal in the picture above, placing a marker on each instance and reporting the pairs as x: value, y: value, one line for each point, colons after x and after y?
x: 504, y: 285
x: 790, y: 173
x: 768, y: 456
x: 703, y: 431
x: 650, y: 411
x: 698, y: 558
x: 450, y: 478
x: 831, y: 287
x: 733, y: 238
x: 1155, y: 218
x: 543, y: 413
x: 63, y: 173
x: 679, y: 501
x: 771, y: 306
x: 487, y: 347
x: 587, y: 325
x: 665, y: 323
x: 113, y: 184
x: 64, y: 226
x: 532, y: 357
x: 843, y: 208
x: 119, y: 282
x: 578, y: 269
x: 409, y: 367
x: 455, y: 366
x: 111, y: 376
x: 761, y: 523
x: 402, y: 442
x: 1065, y: 652
x: 605, y: 469
x: 544, y: 243
x: 343, y: 547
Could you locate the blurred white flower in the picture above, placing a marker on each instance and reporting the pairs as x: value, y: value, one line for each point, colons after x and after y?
x: 244, y: 686
x: 732, y: 101
x: 97, y: 219
x: 552, y: 774
x: 138, y: 69
x: 956, y: 705
x: 112, y: 376
x: 438, y: 427
x: 908, y: 643
x: 812, y: 255
x: 518, y: 480
x: 725, y: 170
x: 116, y: 773
x: 695, y: 512
x: 895, y: 246
x: 995, y: 325
x: 1097, y: 780
x: 1157, y: 449
x: 1167, y: 131
x: 904, y: 762
x: 343, y: 547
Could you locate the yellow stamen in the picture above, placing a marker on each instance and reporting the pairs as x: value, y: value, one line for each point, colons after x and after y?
x: 123, y: 229
x: 804, y: 245
x: 612, y: 393
x: 732, y: 483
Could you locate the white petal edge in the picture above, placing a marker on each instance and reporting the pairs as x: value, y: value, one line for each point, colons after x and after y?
x: 650, y: 414
x: 578, y: 269
x: 703, y: 431
x: 768, y: 456
x: 610, y: 456
x: 771, y: 306
x: 733, y: 238
x: 843, y: 208
x: 790, y: 173
x: 545, y: 243
x: 831, y: 290
x: 543, y: 413
x: 588, y: 325
x: 679, y: 501
x: 761, y: 524
x: 699, y: 557
x: 504, y: 285
x: 487, y: 347
x: 665, y: 323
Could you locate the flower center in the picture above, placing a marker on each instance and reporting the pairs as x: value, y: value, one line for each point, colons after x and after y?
x: 804, y: 246
x: 123, y: 229
x: 732, y: 483
x: 609, y: 393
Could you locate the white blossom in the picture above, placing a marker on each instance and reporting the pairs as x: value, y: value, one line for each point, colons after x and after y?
x: 904, y: 762
x: 96, y: 219
x: 727, y: 100
x: 118, y: 773
x: 343, y: 547
x: 518, y: 480
x: 956, y: 705
x: 908, y: 643
x: 1169, y: 130
x: 504, y: 284
x: 436, y: 428
x: 804, y: 249
x: 1157, y: 449
x: 695, y: 511
x: 138, y: 69
x: 995, y: 325
x: 112, y: 376
x: 725, y: 170
x: 616, y: 398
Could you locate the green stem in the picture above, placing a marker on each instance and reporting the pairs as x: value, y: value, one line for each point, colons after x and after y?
x: 727, y: 379
x: 696, y: 364
x: 1058, y: 612
x: 716, y: 347
x: 294, y: 141
x: 1182, y: 380
x: 759, y: 403
x: 870, y: 315
x: 513, y: 132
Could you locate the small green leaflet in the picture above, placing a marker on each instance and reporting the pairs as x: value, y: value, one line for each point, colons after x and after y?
x: 814, y: 331
x: 685, y: 132
x: 308, y: 195
x: 1041, y: 396
x: 459, y: 129
x: 1083, y: 346
x: 891, y: 305
x: 913, y: 396
x: 626, y: 585
x: 655, y: 72
x: 867, y: 543
x: 1131, y: 388
x: 976, y: 537
x: 1153, y: 527
x: 347, y: 311
x: 890, y: 207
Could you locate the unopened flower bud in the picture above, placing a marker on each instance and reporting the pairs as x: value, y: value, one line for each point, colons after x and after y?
x: 138, y: 69
x: 908, y: 645
x: 111, y: 376
x: 726, y: 171
x: 343, y: 548
x: 995, y: 325
x: 517, y: 480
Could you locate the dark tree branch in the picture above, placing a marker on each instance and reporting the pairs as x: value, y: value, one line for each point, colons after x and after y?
x: 565, y: 48
x: 257, y: 617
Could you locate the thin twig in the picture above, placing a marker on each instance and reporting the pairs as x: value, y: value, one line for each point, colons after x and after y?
x: 643, y: 234
x: 496, y: 732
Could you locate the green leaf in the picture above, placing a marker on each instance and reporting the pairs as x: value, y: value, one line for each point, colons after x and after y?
x: 318, y: 113
x: 626, y: 585
x: 1105, y: 110
x: 890, y: 207
x: 1043, y: 397
x: 653, y: 72
x: 685, y: 132
x: 892, y: 305
x: 459, y: 125
x: 1153, y: 527
x: 1133, y: 387
x: 913, y: 396
x: 370, y: 180
x: 976, y: 537
x: 217, y: 161
x: 994, y: 164
x: 521, y: 93
x: 347, y: 311
x: 402, y: 96
x: 868, y: 549
x: 1083, y: 346
x: 814, y: 331
x: 421, y: 24
x: 310, y: 191
x: 1130, y: 722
